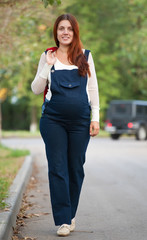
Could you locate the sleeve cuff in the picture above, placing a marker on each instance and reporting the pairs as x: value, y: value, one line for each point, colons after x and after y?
x: 45, y: 71
x: 95, y: 115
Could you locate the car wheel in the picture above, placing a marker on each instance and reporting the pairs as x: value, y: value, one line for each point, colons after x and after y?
x: 115, y: 136
x: 141, y: 133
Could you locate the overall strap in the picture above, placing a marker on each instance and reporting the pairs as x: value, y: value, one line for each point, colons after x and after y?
x: 86, y: 53
x: 52, y: 68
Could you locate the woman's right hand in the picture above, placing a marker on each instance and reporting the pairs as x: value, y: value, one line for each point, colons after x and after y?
x: 51, y: 57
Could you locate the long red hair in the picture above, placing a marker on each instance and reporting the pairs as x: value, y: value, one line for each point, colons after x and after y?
x: 75, y: 53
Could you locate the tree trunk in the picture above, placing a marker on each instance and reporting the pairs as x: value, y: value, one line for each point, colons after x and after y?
x: 33, y: 125
x: 0, y: 121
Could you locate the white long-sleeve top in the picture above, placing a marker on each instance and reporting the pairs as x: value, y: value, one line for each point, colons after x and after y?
x: 43, y: 76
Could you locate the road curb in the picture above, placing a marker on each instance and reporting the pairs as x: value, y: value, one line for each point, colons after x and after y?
x: 8, y: 218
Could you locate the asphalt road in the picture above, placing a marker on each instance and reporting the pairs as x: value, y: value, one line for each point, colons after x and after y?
x: 113, y: 203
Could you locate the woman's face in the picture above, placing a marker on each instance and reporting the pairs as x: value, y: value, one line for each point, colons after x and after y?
x: 65, y: 33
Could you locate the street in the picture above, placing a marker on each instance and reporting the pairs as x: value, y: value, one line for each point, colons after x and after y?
x: 113, y: 203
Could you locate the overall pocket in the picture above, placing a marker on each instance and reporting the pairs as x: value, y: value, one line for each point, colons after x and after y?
x: 70, y: 85
x: 70, y: 88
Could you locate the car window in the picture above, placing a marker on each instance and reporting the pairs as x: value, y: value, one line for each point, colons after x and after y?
x: 146, y: 111
x: 139, y: 110
x: 121, y: 109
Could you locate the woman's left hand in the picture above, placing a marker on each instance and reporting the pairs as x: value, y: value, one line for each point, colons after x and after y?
x: 94, y: 128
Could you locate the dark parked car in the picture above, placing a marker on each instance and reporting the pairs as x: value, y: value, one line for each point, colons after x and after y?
x: 127, y: 116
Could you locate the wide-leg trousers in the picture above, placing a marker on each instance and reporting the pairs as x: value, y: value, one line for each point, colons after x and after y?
x: 66, y: 143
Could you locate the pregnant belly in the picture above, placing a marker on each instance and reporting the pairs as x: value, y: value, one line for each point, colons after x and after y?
x: 68, y: 110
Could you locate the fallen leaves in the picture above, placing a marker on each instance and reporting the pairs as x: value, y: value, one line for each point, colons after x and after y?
x: 34, y: 215
x: 22, y: 215
x: 25, y: 238
x: 28, y: 210
x: 29, y: 238
x: 15, y: 238
x: 6, y: 209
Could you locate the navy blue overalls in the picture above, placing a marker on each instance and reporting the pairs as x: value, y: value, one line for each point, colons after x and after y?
x: 64, y: 127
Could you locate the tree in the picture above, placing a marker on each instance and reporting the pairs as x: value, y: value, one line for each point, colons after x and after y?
x: 3, y: 94
x: 29, y: 37
x: 27, y: 32
x: 116, y: 34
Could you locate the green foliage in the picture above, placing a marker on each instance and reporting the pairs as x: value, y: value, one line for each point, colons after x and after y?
x: 28, y: 34
x: 16, y: 2
x: 116, y: 33
x: 18, y: 112
x: 51, y: 2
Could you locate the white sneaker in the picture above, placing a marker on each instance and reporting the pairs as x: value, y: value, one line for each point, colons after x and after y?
x: 64, y: 230
x: 73, y: 225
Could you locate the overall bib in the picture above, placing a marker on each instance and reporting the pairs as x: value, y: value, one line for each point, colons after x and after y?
x: 64, y: 127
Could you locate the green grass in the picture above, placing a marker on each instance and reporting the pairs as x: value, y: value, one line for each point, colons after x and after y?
x: 20, y: 133
x: 10, y: 162
x: 28, y: 134
x: 103, y: 133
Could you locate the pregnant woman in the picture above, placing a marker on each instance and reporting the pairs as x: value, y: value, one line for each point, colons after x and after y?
x: 70, y: 115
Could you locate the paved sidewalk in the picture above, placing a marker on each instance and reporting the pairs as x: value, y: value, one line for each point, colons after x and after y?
x: 38, y: 218
x: 113, y: 202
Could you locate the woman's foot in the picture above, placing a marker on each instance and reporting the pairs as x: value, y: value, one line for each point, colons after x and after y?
x: 73, y: 225
x: 64, y: 230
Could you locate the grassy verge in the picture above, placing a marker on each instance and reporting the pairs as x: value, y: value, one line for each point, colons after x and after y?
x: 103, y: 133
x: 20, y: 133
x: 7, y: 134
x: 10, y: 162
